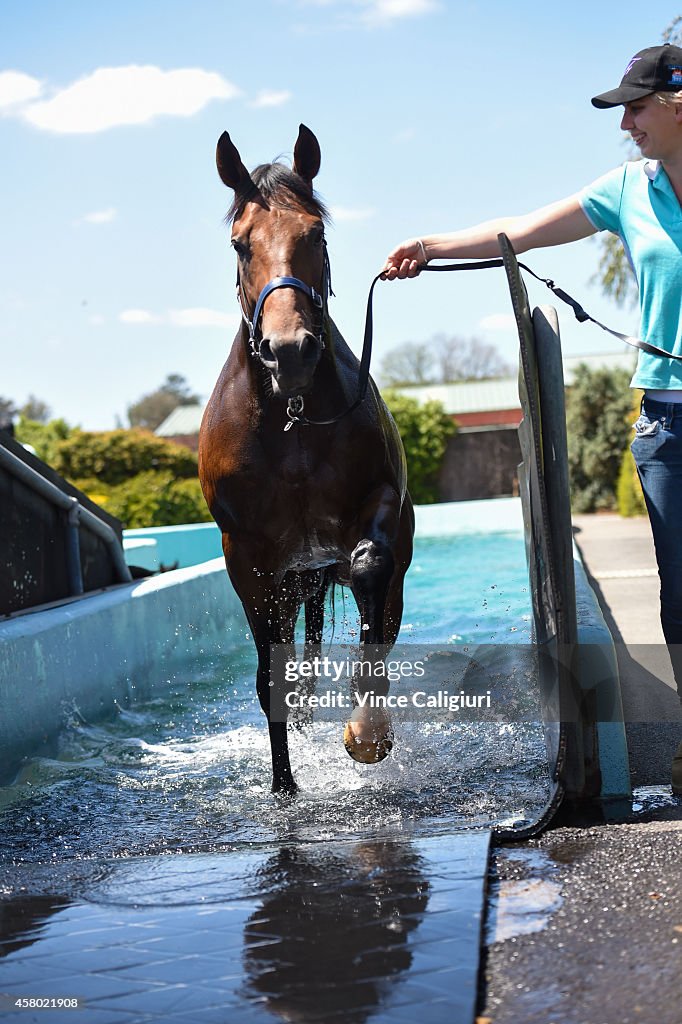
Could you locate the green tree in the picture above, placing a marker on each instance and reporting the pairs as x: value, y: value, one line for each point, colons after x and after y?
x: 45, y: 438
x: 598, y: 423
x: 425, y: 430
x: 152, y: 409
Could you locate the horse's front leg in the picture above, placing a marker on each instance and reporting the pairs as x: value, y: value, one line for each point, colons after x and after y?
x: 368, y: 736
x: 271, y: 621
x: 269, y: 692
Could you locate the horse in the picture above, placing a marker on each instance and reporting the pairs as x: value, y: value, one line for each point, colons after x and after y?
x: 303, y: 501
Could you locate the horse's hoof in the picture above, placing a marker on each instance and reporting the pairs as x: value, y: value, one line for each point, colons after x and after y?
x: 370, y: 748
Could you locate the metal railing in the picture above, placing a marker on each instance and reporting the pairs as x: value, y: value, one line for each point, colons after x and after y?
x: 76, y: 516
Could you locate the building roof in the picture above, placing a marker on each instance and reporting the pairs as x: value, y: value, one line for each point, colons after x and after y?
x: 488, y: 395
x: 470, y: 396
x: 184, y: 420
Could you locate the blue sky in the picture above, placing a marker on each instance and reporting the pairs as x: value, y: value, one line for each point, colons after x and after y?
x: 116, y: 268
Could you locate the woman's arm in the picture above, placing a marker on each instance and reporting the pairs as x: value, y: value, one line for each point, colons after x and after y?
x: 551, y: 225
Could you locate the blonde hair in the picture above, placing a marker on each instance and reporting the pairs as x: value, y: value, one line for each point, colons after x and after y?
x: 669, y: 99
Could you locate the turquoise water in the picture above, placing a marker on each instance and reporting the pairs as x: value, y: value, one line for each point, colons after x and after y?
x: 190, y: 768
x: 468, y: 589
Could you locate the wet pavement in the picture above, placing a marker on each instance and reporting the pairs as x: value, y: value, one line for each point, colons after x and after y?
x: 387, y: 931
x: 584, y: 924
x: 599, y: 940
x: 619, y: 556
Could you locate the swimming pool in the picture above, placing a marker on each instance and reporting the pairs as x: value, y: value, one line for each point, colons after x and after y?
x: 188, y: 768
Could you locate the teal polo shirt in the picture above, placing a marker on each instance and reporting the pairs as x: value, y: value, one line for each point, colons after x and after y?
x: 637, y: 203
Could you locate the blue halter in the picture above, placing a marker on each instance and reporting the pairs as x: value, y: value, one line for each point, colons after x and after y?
x: 318, y: 300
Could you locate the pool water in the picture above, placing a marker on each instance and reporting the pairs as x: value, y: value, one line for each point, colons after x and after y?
x: 189, y: 769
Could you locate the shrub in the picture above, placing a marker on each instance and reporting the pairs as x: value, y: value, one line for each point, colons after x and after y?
x: 115, y: 456
x: 45, y: 438
x: 150, y: 499
x: 629, y: 492
x: 425, y: 430
x: 598, y: 406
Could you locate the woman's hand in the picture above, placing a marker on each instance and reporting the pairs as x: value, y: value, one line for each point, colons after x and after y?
x: 406, y: 260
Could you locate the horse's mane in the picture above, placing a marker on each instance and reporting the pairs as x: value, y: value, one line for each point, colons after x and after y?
x: 277, y: 185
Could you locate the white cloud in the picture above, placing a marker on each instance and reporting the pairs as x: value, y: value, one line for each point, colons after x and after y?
x: 17, y: 88
x: 134, y: 94
x: 100, y: 216
x: 139, y: 316
x: 497, y: 322
x: 197, y: 316
x: 271, y: 98
x: 375, y: 12
x: 380, y: 12
x: 371, y: 13
x: 348, y: 213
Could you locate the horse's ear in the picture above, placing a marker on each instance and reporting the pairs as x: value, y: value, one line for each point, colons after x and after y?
x: 307, y: 156
x: 229, y: 163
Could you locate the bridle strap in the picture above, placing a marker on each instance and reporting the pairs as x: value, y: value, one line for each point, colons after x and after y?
x: 285, y: 282
x: 318, y: 300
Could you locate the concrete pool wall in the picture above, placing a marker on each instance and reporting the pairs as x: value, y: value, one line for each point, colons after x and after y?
x: 181, y: 546
x: 86, y: 656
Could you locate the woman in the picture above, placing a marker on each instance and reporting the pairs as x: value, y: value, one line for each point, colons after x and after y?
x: 642, y: 203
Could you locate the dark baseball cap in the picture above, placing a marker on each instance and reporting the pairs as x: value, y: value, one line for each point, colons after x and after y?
x: 656, y: 69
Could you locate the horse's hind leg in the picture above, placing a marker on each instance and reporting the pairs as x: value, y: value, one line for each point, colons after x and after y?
x: 314, y: 619
x: 313, y: 590
x: 378, y: 567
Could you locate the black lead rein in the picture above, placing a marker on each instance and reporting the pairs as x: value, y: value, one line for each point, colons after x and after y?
x: 580, y: 314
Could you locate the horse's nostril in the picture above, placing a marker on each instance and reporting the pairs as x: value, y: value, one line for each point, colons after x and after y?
x: 266, y: 353
x: 309, y: 349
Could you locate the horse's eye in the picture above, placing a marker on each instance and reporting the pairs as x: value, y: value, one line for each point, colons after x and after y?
x: 317, y: 236
x: 239, y: 248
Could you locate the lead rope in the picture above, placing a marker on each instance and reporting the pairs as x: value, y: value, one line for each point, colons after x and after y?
x: 582, y: 316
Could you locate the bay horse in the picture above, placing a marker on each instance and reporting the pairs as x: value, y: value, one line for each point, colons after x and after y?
x: 302, y: 501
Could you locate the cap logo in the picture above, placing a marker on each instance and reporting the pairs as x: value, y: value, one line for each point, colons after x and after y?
x: 675, y: 76
x: 631, y: 65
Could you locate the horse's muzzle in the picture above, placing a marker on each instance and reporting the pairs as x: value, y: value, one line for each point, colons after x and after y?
x: 291, y: 362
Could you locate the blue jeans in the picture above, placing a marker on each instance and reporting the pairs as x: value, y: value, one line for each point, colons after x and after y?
x: 657, y: 451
